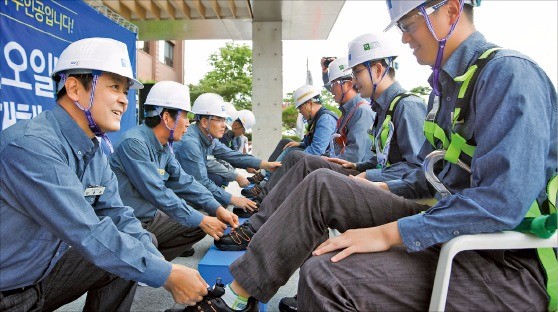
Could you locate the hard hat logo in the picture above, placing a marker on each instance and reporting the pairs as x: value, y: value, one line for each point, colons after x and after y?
x: 366, y: 46
x: 341, y: 67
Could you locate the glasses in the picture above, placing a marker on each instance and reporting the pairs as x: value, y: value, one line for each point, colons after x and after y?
x: 218, y: 120
x: 355, y: 73
x: 410, y: 24
x: 333, y: 83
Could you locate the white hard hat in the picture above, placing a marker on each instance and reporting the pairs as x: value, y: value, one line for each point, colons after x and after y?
x: 168, y: 94
x: 232, y: 114
x: 399, y: 8
x: 103, y: 54
x: 339, y: 68
x: 371, y: 47
x: 305, y: 93
x: 210, y: 104
x: 247, y: 119
x: 231, y: 111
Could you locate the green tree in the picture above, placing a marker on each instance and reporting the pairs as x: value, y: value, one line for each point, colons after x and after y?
x: 231, y: 76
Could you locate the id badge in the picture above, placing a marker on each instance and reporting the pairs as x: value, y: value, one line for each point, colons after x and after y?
x: 94, y: 190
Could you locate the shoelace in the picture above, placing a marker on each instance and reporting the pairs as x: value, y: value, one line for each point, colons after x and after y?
x: 206, y: 302
x: 258, y: 177
x: 237, y: 237
x: 256, y: 190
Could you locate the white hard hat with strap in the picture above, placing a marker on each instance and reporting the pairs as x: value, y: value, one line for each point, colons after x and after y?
x: 94, y: 56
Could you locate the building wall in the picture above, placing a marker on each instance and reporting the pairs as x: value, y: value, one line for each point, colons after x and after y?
x: 149, y: 69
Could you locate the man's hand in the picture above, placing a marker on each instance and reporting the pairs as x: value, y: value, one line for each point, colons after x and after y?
x: 213, y: 227
x: 361, y: 177
x: 291, y: 144
x: 242, y: 180
x: 243, y: 202
x: 344, y: 163
x: 251, y: 170
x: 365, y: 240
x: 270, y: 165
x: 324, y: 62
x: 227, y: 217
x: 186, y: 285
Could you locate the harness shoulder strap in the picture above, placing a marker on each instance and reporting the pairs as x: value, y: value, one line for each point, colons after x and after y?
x: 343, y: 128
x: 458, y: 144
x: 389, y: 116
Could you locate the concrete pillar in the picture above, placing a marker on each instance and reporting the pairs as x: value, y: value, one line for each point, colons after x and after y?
x: 267, y: 86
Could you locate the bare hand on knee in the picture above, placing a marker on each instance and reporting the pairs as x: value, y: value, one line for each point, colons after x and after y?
x: 365, y: 240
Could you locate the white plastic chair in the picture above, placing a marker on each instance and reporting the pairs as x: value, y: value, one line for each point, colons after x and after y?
x: 502, y: 240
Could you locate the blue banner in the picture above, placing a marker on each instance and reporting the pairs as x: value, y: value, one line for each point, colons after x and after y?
x: 33, y: 33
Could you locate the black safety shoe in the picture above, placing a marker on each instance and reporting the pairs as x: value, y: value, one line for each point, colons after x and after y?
x: 256, y: 178
x: 288, y: 304
x: 188, y: 253
x: 237, y: 239
x: 242, y: 213
x: 212, y: 302
x: 251, y: 192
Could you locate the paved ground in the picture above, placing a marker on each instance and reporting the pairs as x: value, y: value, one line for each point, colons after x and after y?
x: 158, y: 299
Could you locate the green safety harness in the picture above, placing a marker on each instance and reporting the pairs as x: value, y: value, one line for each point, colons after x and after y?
x: 535, y: 222
x: 382, y: 139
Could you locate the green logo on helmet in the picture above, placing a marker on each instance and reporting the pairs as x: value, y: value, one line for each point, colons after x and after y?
x: 366, y: 46
x: 341, y: 67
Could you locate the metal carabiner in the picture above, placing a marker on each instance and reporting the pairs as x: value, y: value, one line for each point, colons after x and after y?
x: 428, y: 167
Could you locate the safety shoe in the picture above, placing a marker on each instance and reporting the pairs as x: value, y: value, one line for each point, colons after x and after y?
x: 212, y: 302
x: 242, y: 213
x: 237, y: 239
x: 256, y: 178
x: 251, y: 192
x: 288, y: 304
x: 188, y: 253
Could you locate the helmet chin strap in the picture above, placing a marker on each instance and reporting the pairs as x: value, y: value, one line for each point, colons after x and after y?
x: 375, y: 85
x: 441, y: 46
x: 92, y: 124
x: 171, y: 134
x: 208, y: 135
x: 343, y: 93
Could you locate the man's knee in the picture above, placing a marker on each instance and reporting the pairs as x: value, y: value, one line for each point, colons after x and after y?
x: 321, y: 175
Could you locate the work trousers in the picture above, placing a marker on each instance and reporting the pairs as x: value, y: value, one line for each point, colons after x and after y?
x: 286, y: 164
x: 279, y: 149
x: 393, y: 280
x: 172, y: 238
x: 71, y: 277
x: 296, y: 167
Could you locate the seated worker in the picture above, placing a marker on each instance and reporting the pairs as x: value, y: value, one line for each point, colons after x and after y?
x: 192, y: 151
x: 243, y: 123
x: 321, y: 126
x: 350, y: 141
x: 220, y: 171
x: 151, y: 180
x: 397, y: 129
x: 64, y: 230
x: 321, y: 123
x: 385, y: 259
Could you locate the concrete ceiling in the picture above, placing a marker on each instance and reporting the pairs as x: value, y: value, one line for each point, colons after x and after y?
x: 226, y: 19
